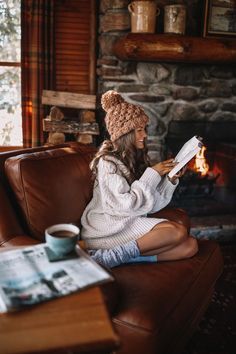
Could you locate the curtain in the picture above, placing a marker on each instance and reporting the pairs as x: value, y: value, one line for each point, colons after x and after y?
x: 37, y: 22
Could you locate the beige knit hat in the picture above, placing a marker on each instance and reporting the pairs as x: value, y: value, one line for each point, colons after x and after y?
x: 121, y: 117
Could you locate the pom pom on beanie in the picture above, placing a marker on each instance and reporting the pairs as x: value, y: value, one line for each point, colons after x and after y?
x: 110, y: 99
x: 121, y: 117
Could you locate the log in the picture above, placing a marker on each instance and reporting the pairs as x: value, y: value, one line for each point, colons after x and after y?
x: 68, y: 99
x: 87, y: 116
x: 56, y: 138
x: 85, y: 138
x: 70, y: 127
x: 175, y: 48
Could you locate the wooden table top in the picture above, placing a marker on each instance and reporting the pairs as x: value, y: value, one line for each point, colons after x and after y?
x: 79, y: 321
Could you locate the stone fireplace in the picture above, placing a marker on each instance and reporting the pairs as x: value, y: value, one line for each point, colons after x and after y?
x: 179, y: 92
x: 181, y: 99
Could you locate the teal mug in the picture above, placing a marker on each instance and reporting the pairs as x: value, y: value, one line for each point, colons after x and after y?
x: 62, y: 238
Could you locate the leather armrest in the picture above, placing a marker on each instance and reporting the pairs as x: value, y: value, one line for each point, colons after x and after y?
x: 21, y: 240
x: 174, y: 214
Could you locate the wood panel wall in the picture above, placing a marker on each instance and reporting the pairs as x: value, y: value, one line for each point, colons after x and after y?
x: 75, y: 46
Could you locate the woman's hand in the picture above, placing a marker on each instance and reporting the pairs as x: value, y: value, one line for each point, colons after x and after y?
x: 178, y: 175
x: 164, y: 167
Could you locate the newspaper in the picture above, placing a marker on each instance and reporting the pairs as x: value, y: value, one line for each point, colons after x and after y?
x: 186, y: 153
x: 27, y: 277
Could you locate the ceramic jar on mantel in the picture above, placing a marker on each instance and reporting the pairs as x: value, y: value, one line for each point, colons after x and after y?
x: 174, y: 19
x: 143, y: 16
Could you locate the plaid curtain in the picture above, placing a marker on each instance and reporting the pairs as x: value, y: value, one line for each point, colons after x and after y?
x: 37, y: 23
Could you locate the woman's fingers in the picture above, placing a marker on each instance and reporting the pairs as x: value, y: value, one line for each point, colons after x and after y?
x: 164, y: 167
x: 169, y: 163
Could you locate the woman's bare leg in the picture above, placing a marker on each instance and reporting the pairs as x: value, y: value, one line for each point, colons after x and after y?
x: 186, y: 249
x: 165, y: 234
x: 169, y: 240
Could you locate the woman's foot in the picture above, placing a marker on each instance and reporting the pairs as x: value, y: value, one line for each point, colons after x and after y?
x: 117, y: 255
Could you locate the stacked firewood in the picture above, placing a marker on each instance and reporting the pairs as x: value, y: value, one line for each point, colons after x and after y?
x: 58, y: 126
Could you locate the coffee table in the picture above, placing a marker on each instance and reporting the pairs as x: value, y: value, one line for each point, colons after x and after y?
x: 77, y: 323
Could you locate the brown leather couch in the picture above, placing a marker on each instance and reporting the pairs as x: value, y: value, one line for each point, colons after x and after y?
x: 154, y: 307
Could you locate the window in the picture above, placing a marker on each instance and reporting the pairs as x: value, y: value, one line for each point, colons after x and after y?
x: 10, y: 74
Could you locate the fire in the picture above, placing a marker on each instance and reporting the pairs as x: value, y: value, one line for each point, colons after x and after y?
x: 200, y: 164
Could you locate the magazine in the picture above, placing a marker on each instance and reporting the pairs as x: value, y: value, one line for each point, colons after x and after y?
x: 27, y: 277
x: 186, y: 153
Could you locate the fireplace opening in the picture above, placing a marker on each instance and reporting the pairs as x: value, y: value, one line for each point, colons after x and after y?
x: 208, y: 187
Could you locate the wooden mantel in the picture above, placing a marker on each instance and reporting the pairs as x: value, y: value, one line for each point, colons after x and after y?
x: 175, y: 48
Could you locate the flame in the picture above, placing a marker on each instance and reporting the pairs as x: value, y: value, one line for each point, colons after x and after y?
x: 200, y: 164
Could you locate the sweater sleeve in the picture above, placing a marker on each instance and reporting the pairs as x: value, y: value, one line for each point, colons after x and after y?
x: 166, y: 190
x: 121, y: 199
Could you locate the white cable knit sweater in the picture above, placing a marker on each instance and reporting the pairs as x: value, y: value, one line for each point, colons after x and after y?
x: 117, y: 211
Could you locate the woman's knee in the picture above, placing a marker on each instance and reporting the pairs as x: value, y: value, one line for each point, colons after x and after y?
x: 191, y: 247
x: 179, y: 232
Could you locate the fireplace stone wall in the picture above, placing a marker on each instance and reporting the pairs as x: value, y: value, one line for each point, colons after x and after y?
x: 168, y: 93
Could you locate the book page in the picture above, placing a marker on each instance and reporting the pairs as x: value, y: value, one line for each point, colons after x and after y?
x: 186, y: 153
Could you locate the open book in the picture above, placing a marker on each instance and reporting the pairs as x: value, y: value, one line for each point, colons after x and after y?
x: 186, y: 153
x: 27, y: 277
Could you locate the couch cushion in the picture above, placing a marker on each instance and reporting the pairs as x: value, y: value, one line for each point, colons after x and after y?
x: 51, y: 186
x: 160, y: 303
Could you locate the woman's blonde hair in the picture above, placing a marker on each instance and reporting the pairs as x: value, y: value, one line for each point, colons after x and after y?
x: 123, y: 149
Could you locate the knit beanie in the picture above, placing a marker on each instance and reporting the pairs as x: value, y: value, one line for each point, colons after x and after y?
x: 121, y: 117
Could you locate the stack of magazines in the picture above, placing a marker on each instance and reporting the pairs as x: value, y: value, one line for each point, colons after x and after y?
x: 27, y: 277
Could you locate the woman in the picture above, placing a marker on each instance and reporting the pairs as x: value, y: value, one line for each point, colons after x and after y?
x: 115, y: 225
